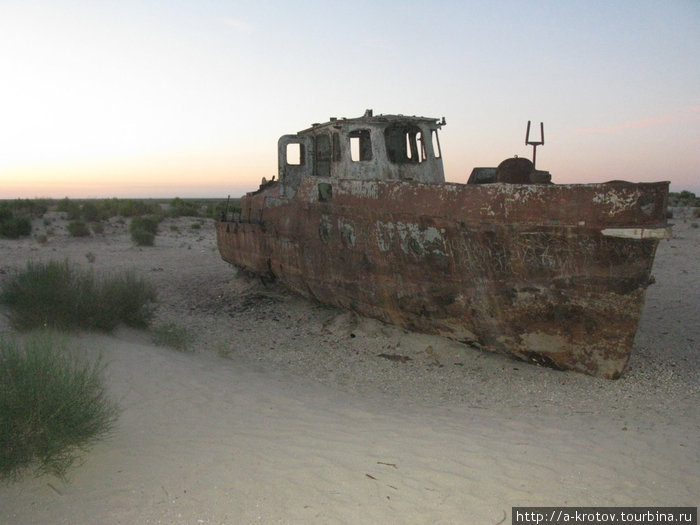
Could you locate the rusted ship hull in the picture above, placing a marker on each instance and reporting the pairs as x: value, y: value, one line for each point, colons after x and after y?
x: 552, y: 274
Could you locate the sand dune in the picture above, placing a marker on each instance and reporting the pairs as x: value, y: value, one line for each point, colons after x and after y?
x: 284, y: 413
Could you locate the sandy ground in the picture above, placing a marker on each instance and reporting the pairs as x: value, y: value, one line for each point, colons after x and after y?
x: 283, y: 412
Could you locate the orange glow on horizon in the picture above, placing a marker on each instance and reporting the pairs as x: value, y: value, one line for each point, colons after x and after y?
x: 142, y: 178
x: 132, y: 99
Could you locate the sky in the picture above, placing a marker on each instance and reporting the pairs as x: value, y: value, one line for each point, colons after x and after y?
x: 188, y: 98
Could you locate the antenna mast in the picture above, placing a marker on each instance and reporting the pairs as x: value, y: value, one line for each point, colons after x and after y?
x: 532, y: 143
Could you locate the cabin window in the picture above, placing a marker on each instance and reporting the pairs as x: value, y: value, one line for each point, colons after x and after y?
x: 436, y: 143
x: 322, y: 165
x: 336, y: 147
x: 295, y: 154
x: 404, y: 144
x: 415, y: 147
x: 360, y: 145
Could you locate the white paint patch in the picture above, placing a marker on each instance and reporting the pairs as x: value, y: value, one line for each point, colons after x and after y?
x: 364, y: 189
x: 617, y: 202
x: 638, y: 233
x: 413, y: 238
x: 385, y: 235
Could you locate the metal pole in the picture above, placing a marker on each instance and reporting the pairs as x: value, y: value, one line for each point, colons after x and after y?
x: 533, y: 143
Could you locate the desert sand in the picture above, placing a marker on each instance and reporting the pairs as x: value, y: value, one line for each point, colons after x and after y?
x: 283, y: 411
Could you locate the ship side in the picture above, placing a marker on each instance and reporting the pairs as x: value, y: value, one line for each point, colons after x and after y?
x: 552, y: 274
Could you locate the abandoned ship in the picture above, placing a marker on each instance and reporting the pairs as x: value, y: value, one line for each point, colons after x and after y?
x: 361, y: 218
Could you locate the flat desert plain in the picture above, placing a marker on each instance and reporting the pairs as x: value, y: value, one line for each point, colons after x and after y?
x: 282, y: 410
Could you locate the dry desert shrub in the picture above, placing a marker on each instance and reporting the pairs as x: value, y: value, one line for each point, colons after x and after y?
x: 52, y: 405
x: 62, y: 296
x: 173, y: 336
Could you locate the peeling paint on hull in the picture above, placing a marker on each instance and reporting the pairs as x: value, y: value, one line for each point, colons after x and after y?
x: 528, y: 270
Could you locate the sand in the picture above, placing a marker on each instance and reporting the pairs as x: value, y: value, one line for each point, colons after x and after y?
x: 282, y: 412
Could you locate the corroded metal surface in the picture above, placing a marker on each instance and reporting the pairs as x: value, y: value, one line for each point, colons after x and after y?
x: 553, y: 274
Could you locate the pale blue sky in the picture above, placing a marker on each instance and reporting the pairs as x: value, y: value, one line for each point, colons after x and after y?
x: 138, y: 98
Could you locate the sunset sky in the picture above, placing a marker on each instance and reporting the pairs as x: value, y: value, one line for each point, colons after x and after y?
x: 188, y: 98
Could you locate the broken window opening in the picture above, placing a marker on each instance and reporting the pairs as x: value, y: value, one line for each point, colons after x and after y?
x: 336, y: 147
x: 322, y: 164
x: 404, y: 144
x: 436, y: 143
x: 294, y: 156
x: 360, y: 145
x: 409, y: 148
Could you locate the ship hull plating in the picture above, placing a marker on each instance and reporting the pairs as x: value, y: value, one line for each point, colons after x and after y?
x: 552, y: 274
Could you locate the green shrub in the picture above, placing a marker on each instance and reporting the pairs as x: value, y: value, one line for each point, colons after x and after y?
x: 78, y: 229
x: 131, y: 208
x: 90, y: 212
x: 181, y: 208
x: 13, y: 226
x: 69, y: 207
x: 144, y: 229
x: 58, y: 295
x: 147, y: 222
x: 218, y: 210
x: 143, y: 237
x: 684, y: 198
x: 104, y: 209
x: 29, y: 207
x: 53, y: 405
x: 131, y: 297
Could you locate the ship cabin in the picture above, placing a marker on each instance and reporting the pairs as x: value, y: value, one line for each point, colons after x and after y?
x: 382, y: 147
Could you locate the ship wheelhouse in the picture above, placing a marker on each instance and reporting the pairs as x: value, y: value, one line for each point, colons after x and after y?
x: 382, y: 147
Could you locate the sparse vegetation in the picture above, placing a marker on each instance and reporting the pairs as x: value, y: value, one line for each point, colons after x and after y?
x: 144, y: 229
x: 58, y: 295
x: 216, y: 211
x: 69, y: 207
x: 143, y: 237
x: 78, y: 229
x: 53, y: 405
x: 88, y: 215
x: 95, y: 210
x: 14, y: 222
x: 224, y: 349
x: 14, y: 227
x: 147, y: 222
x: 173, y: 336
x: 89, y: 211
x: 182, y: 208
x: 684, y: 198
x: 133, y: 208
